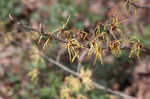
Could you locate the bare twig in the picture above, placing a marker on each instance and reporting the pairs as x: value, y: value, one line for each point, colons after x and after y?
x: 40, y: 31
x: 43, y: 33
x: 98, y: 86
x: 144, y: 49
x: 60, y: 53
x: 83, y: 54
x: 142, y: 7
x: 139, y: 6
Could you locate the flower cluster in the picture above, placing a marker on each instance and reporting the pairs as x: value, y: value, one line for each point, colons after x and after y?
x: 115, y: 26
x: 129, y: 4
x: 74, y: 87
x: 115, y: 47
x: 73, y: 47
x: 108, y: 36
x: 136, y: 50
x: 86, y: 78
x: 34, y: 73
x: 36, y: 61
x: 96, y: 49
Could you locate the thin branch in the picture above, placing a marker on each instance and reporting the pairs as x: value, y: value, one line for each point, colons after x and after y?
x: 145, y: 50
x: 61, y: 66
x: 83, y: 54
x: 98, y: 86
x: 60, y: 53
x: 141, y: 7
x: 43, y: 33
